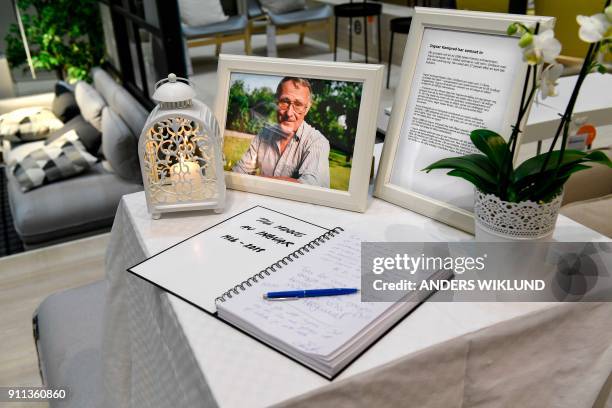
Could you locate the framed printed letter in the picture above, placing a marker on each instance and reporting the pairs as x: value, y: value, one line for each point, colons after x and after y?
x: 460, y: 72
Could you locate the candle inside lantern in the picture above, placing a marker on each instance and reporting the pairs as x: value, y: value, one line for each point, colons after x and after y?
x: 187, y: 179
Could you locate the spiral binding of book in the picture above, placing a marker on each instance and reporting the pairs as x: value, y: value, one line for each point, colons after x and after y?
x: 278, y: 265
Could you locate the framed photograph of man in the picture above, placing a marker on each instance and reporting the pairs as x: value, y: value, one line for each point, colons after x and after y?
x: 299, y: 129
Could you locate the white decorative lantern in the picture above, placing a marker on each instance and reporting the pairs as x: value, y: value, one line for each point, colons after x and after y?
x: 180, y: 152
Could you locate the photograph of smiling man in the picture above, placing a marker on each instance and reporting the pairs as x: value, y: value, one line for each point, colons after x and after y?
x: 296, y: 129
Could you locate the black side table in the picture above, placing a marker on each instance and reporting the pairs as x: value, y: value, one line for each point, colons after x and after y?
x: 400, y: 25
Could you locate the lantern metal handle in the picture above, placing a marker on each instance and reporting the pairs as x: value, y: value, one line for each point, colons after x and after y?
x: 173, y: 78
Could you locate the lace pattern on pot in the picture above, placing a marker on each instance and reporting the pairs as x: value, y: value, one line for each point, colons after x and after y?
x: 526, y: 219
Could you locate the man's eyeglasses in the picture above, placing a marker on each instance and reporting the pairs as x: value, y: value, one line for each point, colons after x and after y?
x: 298, y: 106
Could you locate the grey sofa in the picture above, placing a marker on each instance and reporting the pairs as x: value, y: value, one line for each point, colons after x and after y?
x: 82, y: 205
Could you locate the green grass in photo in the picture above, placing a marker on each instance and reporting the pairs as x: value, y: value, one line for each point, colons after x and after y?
x: 233, y: 149
x: 339, y: 170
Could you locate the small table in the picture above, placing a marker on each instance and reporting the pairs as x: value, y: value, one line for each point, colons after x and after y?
x: 160, y: 351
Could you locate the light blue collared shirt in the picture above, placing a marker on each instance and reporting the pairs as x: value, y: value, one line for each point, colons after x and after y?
x: 306, y: 157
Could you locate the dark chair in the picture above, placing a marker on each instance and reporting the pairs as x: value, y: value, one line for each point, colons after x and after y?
x: 233, y: 29
x: 298, y: 22
x: 401, y: 25
x: 357, y: 10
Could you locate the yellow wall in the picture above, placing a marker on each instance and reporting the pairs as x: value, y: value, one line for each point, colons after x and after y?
x: 566, y: 27
x: 495, y: 6
x: 565, y: 12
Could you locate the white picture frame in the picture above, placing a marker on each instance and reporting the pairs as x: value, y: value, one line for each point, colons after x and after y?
x: 487, y: 24
x: 371, y: 77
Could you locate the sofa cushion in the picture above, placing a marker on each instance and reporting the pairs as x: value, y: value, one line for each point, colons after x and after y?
x: 282, y: 6
x: 69, y: 326
x: 301, y: 16
x: 231, y: 25
x: 63, y: 158
x: 196, y: 13
x: 64, y: 106
x: 119, y: 100
x: 90, y: 103
x: 595, y: 213
x: 28, y: 124
x: 120, y: 146
x: 88, y: 135
x: 72, y: 206
x: 104, y: 84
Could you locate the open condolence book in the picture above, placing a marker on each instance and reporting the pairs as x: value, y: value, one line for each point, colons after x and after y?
x: 226, y: 269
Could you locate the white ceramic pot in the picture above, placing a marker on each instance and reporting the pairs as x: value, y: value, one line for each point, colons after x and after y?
x: 499, y: 221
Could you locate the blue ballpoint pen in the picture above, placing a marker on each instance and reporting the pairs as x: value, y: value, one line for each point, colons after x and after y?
x: 297, y: 294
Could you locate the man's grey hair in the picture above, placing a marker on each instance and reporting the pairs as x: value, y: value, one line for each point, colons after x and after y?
x: 295, y: 81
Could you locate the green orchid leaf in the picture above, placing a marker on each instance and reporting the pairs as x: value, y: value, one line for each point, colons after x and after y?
x: 476, y: 164
x: 567, y: 171
x: 540, y: 179
x: 526, y: 192
x: 528, y: 173
x: 555, y: 186
x: 551, y: 192
x: 597, y: 156
x: 478, y: 182
x: 491, y: 144
x: 544, y: 184
x: 533, y: 166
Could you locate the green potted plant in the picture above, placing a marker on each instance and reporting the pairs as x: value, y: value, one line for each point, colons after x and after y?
x: 523, y: 202
x: 65, y: 36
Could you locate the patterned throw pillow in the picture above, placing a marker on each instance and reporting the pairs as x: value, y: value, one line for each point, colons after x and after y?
x: 88, y: 135
x: 28, y: 124
x: 61, y: 159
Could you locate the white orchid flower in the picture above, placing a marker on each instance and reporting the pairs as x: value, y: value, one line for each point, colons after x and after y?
x: 543, y: 47
x: 549, y: 80
x: 594, y: 28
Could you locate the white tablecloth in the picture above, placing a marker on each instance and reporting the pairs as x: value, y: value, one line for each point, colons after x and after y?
x: 161, y: 352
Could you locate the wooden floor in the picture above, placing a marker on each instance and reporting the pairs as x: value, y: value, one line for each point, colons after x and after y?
x: 25, y: 280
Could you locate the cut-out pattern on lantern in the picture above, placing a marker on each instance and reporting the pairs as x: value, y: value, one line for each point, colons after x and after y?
x: 180, y: 152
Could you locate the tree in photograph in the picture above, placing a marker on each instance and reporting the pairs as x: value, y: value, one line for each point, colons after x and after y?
x: 249, y: 110
x: 335, y: 112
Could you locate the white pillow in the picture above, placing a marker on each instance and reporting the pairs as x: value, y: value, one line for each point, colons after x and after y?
x: 196, y: 13
x: 90, y: 103
x: 120, y: 146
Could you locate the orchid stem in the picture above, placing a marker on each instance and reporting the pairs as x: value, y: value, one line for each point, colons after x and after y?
x: 567, y: 117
